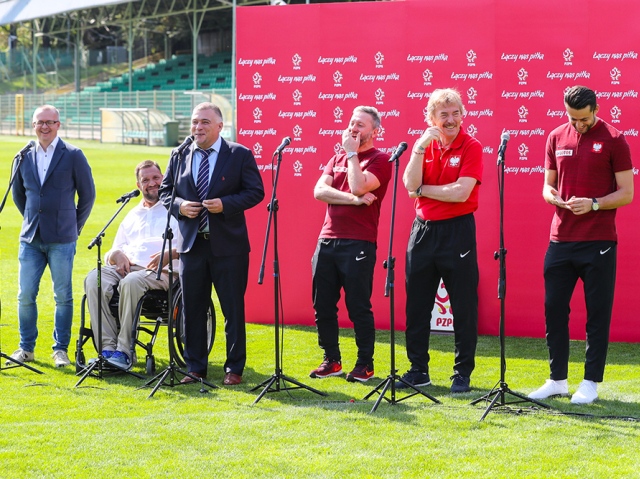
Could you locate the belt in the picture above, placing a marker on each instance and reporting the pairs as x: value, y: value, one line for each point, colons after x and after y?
x: 203, y: 235
x: 439, y: 222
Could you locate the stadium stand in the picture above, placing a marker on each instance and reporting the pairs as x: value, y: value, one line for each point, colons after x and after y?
x: 175, y: 73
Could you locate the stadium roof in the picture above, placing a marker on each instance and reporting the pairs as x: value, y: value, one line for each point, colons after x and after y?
x: 16, y: 11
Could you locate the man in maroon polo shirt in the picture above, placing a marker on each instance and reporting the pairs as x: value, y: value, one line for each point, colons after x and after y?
x: 588, y: 175
x: 353, y: 185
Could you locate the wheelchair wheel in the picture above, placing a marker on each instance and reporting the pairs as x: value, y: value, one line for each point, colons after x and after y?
x: 177, y: 329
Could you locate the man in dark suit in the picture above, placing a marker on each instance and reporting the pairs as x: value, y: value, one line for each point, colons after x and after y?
x: 215, y: 181
x: 45, y: 193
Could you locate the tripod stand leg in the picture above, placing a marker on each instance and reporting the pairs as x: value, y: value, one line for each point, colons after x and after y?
x: 498, y: 394
x: 383, y: 384
x: 386, y: 383
x: 17, y: 364
x: 161, y: 377
x: 267, y: 387
x: 275, y: 379
x: 501, y: 393
x: 87, y: 371
x: 170, y: 372
x: 302, y: 386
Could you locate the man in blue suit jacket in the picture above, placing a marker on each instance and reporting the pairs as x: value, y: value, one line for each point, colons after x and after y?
x: 44, y: 191
x: 215, y: 248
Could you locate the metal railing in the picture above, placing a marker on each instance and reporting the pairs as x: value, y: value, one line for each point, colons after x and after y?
x: 80, y: 112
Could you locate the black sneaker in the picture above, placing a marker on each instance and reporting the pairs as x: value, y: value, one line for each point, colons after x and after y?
x: 415, y: 378
x: 460, y: 384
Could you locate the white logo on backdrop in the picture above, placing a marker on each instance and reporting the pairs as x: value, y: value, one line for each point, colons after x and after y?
x: 257, y: 79
x: 616, y: 112
x: 296, y: 59
x: 522, y: 113
x: 379, y: 58
x: 337, y: 78
x: 472, y: 130
x: 297, y: 168
x: 337, y: 114
x: 257, y: 114
x: 522, y: 76
x: 471, y: 57
x: 257, y: 149
x: 523, y: 151
x: 568, y: 56
x: 615, y: 75
x: 427, y: 76
x: 297, y: 131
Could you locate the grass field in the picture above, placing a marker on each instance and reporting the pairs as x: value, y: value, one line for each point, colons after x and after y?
x: 108, y: 428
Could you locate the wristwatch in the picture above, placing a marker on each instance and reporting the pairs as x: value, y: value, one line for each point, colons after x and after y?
x: 595, y: 206
x: 351, y: 154
x: 419, y: 191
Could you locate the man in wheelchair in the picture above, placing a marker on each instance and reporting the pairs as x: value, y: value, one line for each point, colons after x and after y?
x: 130, y: 266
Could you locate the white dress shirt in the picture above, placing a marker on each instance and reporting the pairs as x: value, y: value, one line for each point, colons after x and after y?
x: 43, y: 158
x: 139, y: 235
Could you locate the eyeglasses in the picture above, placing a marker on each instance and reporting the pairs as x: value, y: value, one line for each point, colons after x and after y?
x: 48, y: 122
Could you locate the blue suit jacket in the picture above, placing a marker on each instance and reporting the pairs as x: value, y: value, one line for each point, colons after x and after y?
x: 235, y: 180
x: 51, y: 207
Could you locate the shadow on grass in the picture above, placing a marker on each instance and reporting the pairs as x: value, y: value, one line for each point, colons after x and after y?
x: 489, y: 346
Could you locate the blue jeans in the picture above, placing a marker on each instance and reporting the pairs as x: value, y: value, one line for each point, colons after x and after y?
x: 33, y: 258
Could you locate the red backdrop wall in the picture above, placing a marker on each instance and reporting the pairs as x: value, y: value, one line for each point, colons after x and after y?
x: 303, y: 68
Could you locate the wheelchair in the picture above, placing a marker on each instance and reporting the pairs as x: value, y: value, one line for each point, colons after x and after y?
x: 152, y: 312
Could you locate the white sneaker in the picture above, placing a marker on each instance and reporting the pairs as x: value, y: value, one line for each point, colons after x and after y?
x: 60, y: 358
x: 587, y: 393
x: 20, y: 355
x: 551, y: 388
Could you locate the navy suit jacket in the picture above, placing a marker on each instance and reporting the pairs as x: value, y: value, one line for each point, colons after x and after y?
x: 235, y: 180
x: 51, y: 207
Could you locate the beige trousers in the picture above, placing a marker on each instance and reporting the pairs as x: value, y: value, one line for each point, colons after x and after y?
x: 131, y: 287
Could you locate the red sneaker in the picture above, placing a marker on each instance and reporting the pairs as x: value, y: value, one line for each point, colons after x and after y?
x: 362, y: 373
x: 329, y: 367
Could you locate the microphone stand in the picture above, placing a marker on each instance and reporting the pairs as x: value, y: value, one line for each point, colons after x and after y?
x: 389, y: 291
x: 169, y: 373
x: 277, y: 382
x: 498, y: 395
x: 19, y: 157
x: 101, y: 364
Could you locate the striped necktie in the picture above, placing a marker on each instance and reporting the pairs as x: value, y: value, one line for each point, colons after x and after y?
x: 202, y: 185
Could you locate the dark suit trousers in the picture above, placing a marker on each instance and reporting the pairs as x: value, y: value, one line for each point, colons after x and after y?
x: 199, y: 269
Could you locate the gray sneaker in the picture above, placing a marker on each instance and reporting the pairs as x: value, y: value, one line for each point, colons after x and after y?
x: 20, y: 355
x: 60, y: 358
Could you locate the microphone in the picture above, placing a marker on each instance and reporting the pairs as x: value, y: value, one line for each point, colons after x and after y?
x: 399, y: 151
x: 128, y: 196
x: 26, y: 148
x: 286, y: 141
x: 503, y: 146
x: 185, y: 144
